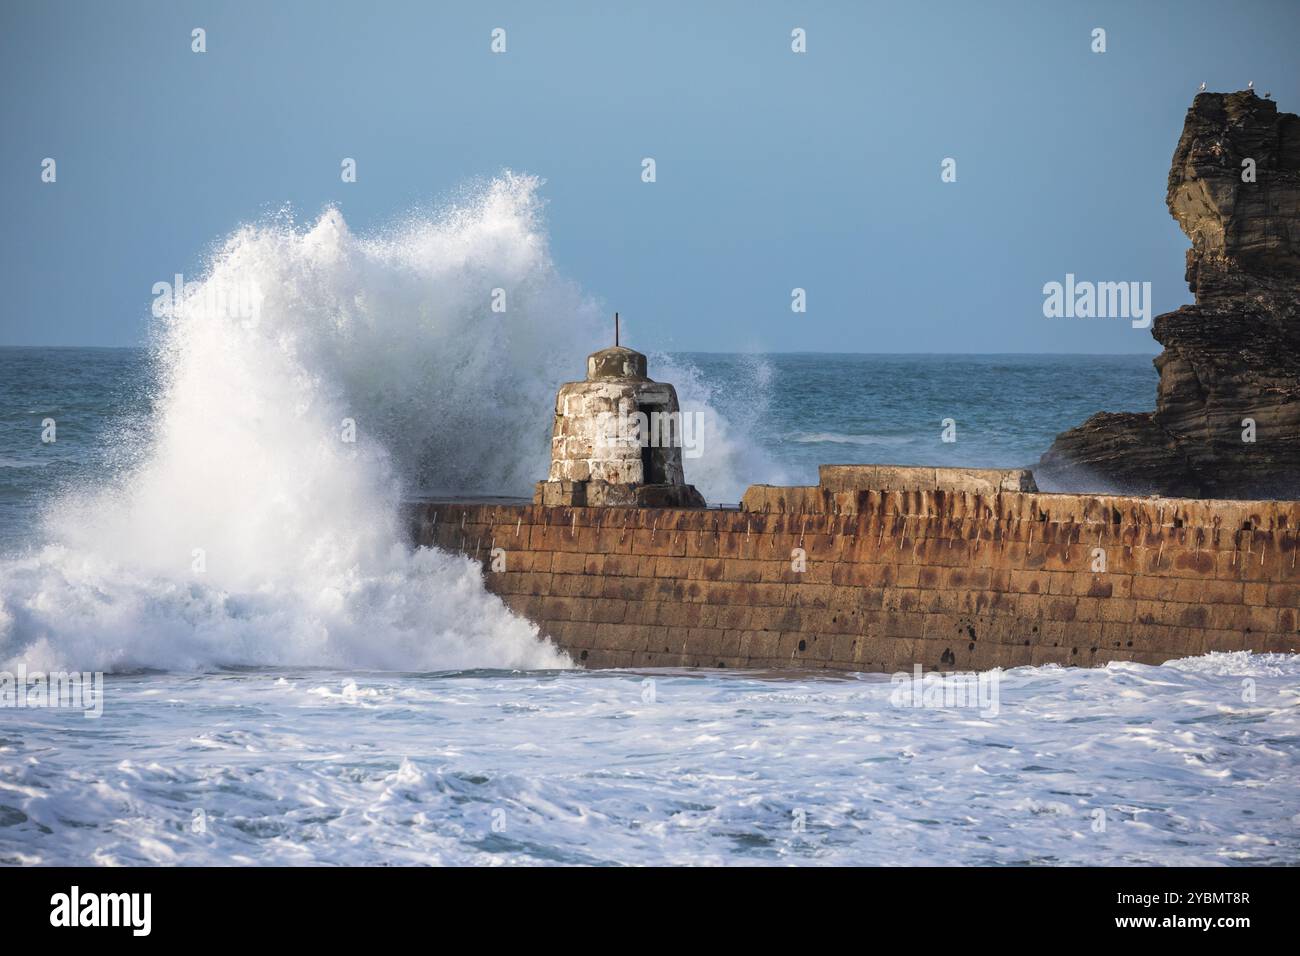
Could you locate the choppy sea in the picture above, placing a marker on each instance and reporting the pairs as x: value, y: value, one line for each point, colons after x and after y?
x: 287, y: 681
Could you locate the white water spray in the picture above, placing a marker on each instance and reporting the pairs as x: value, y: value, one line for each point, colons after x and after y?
x: 249, y: 531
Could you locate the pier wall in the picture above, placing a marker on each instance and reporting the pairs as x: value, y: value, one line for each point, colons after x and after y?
x: 949, y: 569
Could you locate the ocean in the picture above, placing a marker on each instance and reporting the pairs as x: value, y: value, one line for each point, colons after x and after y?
x: 288, y: 681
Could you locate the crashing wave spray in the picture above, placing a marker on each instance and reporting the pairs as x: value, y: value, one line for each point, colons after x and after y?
x: 261, y: 523
x: 733, y: 455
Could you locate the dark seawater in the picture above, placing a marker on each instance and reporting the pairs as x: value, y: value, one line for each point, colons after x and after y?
x: 890, y: 409
x: 797, y: 410
x: 99, y: 400
x: 302, y: 700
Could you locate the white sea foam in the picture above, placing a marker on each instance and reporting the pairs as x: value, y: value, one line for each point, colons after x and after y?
x: 246, y: 530
x: 1120, y: 765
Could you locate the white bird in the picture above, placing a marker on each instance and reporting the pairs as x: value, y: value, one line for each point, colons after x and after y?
x: 1250, y: 85
x: 1202, y: 89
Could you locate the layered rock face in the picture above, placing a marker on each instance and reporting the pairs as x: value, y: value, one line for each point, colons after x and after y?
x: 1235, y: 354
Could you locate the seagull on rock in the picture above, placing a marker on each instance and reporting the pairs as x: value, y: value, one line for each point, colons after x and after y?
x: 1250, y: 85
x: 1202, y: 89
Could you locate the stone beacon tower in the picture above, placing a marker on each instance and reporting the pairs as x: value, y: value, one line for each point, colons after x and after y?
x: 617, y: 439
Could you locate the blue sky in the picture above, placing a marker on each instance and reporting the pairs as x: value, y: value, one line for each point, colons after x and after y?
x: 775, y: 170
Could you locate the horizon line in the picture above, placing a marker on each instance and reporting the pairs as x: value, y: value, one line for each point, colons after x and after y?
x: 670, y: 351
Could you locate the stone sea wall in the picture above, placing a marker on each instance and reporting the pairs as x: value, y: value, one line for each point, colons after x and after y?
x: 877, y: 569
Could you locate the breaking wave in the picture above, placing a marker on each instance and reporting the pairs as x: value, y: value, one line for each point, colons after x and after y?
x: 308, y: 384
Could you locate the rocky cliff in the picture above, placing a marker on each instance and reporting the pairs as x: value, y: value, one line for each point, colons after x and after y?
x: 1235, y: 354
